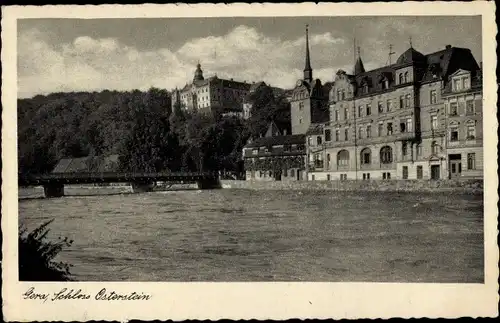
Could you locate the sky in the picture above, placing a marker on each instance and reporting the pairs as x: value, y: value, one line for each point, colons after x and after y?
x: 60, y: 55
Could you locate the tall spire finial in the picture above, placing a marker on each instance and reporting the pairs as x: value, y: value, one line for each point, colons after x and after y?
x: 359, y: 51
x: 411, y: 45
x: 307, y: 68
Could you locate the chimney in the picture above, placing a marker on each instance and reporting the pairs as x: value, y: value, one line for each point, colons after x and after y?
x: 448, y: 46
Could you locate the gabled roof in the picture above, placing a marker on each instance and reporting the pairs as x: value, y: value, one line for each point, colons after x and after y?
x: 315, y: 129
x: 277, y: 140
x: 87, y: 164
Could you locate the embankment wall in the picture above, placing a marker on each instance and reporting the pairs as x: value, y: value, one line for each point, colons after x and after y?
x: 458, y: 186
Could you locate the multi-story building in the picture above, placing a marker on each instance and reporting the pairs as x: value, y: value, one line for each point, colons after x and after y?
x: 392, y: 122
x: 279, y: 155
x: 308, y: 100
x: 215, y: 95
x: 275, y: 156
x: 463, y: 105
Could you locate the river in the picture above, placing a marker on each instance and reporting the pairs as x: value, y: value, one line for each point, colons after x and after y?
x: 244, y: 235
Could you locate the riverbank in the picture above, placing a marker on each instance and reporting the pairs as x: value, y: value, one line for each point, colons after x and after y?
x: 453, y: 186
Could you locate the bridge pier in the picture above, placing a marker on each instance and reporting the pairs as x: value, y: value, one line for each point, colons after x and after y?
x: 53, y: 190
x: 208, y: 183
x: 138, y: 187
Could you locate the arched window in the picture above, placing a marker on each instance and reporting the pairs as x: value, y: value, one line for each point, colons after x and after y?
x: 327, y: 160
x: 401, y: 78
x: 343, y: 158
x: 366, y: 156
x: 386, y: 155
x: 407, y: 77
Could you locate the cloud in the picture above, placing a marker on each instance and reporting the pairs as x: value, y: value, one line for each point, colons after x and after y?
x: 88, y: 64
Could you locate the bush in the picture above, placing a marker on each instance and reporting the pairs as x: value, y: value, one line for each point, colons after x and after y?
x: 36, y: 256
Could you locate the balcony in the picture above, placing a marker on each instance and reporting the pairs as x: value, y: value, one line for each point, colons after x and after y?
x: 405, y: 135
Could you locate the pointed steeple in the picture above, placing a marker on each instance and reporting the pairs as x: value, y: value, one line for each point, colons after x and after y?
x: 307, y: 68
x: 358, y: 66
x: 198, y: 74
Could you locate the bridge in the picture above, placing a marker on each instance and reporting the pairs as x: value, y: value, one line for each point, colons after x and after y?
x: 53, y: 183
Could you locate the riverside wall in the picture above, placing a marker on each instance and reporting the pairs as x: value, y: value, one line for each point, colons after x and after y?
x: 453, y: 186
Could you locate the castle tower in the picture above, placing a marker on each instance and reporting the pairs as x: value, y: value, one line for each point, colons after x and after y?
x: 307, y: 69
x: 198, y: 74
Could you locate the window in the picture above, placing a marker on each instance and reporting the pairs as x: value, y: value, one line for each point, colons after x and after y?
x: 401, y: 102
x: 402, y: 127
x: 386, y: 86
x: 336, y: 114
x: 287, y: 148
x: 407, y: 100
x: 434, y: 122
x: 300, y: 120
x: 469, y: 107
x: 420, y: 172
x: 360, y: 111
x: 454, y: 134
x: 386, y: 175
x: 401, y: 78
x: 300, y: 147
x: 457, y: 85
x: 409, y: 124
x: 292, y: 172
x: 338, y: 95
x: 407, y: 77
x: 366, y: 176
x: 328, y: 161
x: 434, y: 148
x: 419, y: 150
x: 360, y: 133
x: 343, y: 158
x: 386, y: 155
x: 328, y: 135
x: 389, y: 105
x: 343, y: 177
x: 366, y: 155
x: 404, y: 149
x: 328, y: 177
x: 453, y: 109
x: 343, y: 94
x: 368, y: 109
x: 337, y: 135
x: 433, y: 97
x: 319, y: 140
x: 380, y: 129
x: 346, y: 134
x: 255, y: 152
x: 389, y: 128
x: 405, y: 172
x: 368, y: 131
x: 310, y: 141
x: 380, y: 107
x: 312, y: 177
x: 465, y: 83
x: 471, y: 132
x: 471, y: 161
x: 346, y: 113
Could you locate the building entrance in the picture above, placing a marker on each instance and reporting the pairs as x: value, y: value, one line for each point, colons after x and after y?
x: 435, y: 172
x: 455, y: 165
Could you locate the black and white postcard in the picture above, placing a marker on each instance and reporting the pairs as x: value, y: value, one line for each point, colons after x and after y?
x: 249, y: 161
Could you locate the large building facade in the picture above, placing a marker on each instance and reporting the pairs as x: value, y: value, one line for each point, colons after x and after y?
x: 213, y: 95
x: 419, y: 118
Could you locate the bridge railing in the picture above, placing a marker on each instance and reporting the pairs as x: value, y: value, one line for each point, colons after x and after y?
x: 113, y: 175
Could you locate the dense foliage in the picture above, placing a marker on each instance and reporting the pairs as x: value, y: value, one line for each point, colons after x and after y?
x: 37, y: 253
x: 141, y: 127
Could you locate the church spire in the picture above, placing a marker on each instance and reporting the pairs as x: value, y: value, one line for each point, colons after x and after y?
x: 307, y: 68
x: 358, y: 66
